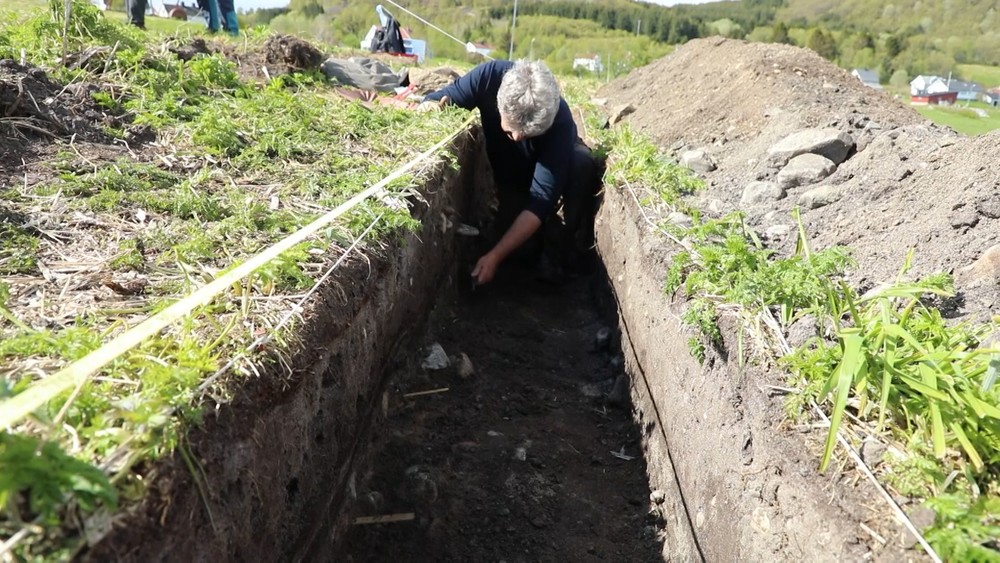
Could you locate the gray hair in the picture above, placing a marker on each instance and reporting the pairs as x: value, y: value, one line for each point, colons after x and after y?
x: 528, y: 98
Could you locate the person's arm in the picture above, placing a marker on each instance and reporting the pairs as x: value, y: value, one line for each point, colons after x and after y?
x: 551, y: 174
x: 519, y: 232
x: 467, y: 91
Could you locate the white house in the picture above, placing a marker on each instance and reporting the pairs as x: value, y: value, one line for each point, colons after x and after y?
x: 591, y: 63
x: 992, y: 97
x: 867, y: 77
x: 922, y: 85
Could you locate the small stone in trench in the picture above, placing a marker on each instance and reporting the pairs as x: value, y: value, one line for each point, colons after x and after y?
x: 602, y: 338
x: 520, y: 454
x: 538, y: 522
x: 436, y: 359
x: 657, y: 497
x: 465, y: 367
x: 619, y: 394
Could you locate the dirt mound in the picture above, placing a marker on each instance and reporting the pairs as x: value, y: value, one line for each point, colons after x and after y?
x: 295, y: 54
x: 432, y: 80
x: 197, y: 46
x: 35, y: 108
x: 905, y: 184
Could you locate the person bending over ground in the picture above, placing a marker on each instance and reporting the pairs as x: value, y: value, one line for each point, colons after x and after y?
x: 538, y: 160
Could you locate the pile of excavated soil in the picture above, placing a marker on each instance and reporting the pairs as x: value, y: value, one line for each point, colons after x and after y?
x: 34, y: 110
x: 906, y: 183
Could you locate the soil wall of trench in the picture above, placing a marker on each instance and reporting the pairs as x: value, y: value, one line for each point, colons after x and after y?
x: 278, y: 465
x: 731, y: 480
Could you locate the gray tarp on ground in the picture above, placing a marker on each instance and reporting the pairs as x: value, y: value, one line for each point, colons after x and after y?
x: 363, y: 73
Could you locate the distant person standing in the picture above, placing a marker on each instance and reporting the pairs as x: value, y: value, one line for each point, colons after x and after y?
x: 135, y: 10
x: 221, y: 15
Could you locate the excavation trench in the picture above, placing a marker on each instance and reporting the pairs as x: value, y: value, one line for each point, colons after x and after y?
x: 560, y: 443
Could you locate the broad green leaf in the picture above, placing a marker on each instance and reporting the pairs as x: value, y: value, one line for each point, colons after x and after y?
x: 923, y: 389
x: 967, y: 446
x: 992, y: 373
x: 852, y: 366
x: 899, y: 332
x: 929, y: 377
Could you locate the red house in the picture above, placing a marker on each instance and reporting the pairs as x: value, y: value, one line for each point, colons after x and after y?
x: 925, y: 98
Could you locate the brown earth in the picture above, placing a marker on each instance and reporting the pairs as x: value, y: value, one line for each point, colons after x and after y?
x: 746, y: 485
x: 910, y: 183
x: 517, y: 462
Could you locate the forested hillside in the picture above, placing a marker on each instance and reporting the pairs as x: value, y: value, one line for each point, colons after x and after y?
x: 897, y: 39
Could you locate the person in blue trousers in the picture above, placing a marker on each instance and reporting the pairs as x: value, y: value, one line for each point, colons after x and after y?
x: 221, y: 15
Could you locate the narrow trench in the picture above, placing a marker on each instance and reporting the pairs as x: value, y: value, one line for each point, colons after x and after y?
x: 533, y: 457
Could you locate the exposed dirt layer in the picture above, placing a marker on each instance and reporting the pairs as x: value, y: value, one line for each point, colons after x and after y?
x: 516, y: 462
x: 907, y: 184
x: 35, y: 110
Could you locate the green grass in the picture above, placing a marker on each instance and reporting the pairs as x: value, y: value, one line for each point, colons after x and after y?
x: 988, y: 76
x: 252, y: 162
x: 963, y: 118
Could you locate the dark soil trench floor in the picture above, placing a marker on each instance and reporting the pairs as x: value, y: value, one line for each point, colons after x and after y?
x: 534, y: 457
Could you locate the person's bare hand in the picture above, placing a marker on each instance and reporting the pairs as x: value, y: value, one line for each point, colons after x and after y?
x: 433, y: 105
x: 485, y: 269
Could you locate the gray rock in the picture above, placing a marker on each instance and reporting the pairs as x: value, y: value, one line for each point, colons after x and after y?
x: 829, y: 142
x: 777, y: 231
x: 801, y: 331
x: 657, y: 497
x: 989, y: 207
x: 963, y: 217
x: 922, y: 518
x: 680, y: 219
x: 436, y: 359
x: 818, y: 197
x: 619, y: 113
x: 698, y: 161
x: 985, y: 270
x: 761, y: 192
x: 465, y: 367
x: 717, y: 207
x: 619, y: 394
x: 602, y: 338
x: 805, y: 169
x: 872, y: 452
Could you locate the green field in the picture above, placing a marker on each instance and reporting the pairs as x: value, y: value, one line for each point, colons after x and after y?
x: 963, y: 119
x: 988, y: 76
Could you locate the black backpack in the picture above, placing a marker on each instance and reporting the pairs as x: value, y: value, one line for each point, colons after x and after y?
x: 388, y: 39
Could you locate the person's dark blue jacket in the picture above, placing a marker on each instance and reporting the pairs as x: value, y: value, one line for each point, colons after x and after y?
x: 542, y: 162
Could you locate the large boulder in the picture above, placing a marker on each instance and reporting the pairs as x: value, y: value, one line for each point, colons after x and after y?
x: 805, y: 169
x: 829, y: 142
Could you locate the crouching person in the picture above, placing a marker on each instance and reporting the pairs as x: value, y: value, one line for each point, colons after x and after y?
x: 539, y: 164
